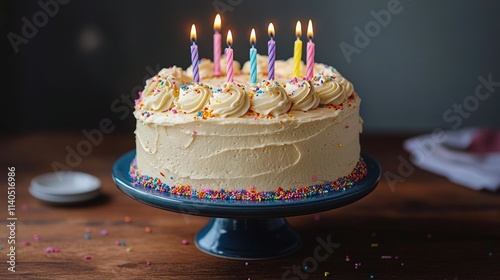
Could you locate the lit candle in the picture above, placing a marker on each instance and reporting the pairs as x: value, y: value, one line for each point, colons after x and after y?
x: 229, y: 57
x: 297, y: 53
x: 217, y: 45
x: 310, y: 52
x: 271, y: 52
x: 253, y: 58
x: 194, y: 55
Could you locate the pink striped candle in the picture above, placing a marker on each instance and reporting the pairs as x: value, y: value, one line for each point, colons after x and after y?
x: 310, y: 52
x: 217, y: 45
x: 229, y: 57
x: 194, y: 56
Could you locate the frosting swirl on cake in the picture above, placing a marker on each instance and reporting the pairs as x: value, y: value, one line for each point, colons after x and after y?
x: 329, y: 90
x: 270, y: 99
x: 302, y: 94
x: 348, y: 87
x: 175, y: 72
x: 193, y: 98
x: 231, y: 101
x: 160, y: 94
x: 171, y: 90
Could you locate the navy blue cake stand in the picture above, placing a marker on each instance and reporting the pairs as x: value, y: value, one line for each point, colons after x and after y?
x: 246, y: 230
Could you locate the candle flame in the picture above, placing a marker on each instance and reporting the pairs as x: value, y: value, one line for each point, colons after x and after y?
x: 217, y: 22
x: 252, y: 37
x: 270, y: 30
x: 229, y: 38
x: 298, y: 29
x: 310, y: 32
x: 193, y: 33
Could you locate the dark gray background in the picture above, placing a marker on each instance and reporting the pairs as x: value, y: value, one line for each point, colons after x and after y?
x: 90, y: 58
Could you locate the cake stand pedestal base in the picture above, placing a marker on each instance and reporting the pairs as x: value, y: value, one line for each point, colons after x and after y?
x: 248, y: 238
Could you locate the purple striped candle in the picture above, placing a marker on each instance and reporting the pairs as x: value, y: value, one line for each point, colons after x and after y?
x: 271, y: 52
x: 194, y: 56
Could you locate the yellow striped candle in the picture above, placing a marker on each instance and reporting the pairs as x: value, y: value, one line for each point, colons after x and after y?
x: 297, y: 53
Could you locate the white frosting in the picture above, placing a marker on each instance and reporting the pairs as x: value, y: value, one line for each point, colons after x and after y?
x: 193, y: 98
x: 303, y: 95
x: 231, y: 101
x: 329, y: 90
x: 218, y: 134
x: 160, y: 93
x: 270, y: 99
x: 299, y: 150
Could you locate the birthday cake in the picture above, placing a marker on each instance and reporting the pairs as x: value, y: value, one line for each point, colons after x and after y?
x: 276, y: 139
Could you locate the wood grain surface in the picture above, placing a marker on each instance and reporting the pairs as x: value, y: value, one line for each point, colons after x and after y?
x: 430, y: 228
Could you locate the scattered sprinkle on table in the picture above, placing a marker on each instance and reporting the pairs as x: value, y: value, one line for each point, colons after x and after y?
x: 36, y: 237
x: 129, y: 249
x: 185, y: 242
x: 87, y: 257
x: 88, y: 230
x: 51, y: 250
x: 88, y: 236
x: 127, y: 219
x: 147, y: 229
x: 25, y: 243
x: 103, y: 232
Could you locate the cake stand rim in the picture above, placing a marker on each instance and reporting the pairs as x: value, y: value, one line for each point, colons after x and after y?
x: 245, y: 209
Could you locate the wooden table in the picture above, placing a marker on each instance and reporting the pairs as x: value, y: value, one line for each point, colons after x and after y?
x: 421, y: 228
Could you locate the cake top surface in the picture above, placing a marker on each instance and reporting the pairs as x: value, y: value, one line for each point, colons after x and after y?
x: 172, y: 94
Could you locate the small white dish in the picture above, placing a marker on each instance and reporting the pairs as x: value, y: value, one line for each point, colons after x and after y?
x: 65, y: 187
x: 65, y: 183
x: 64, y: 199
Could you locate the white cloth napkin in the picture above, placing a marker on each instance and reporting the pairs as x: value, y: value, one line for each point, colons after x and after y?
x: 469, y: 157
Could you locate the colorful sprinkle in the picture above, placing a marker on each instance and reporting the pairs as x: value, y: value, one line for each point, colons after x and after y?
x: 36, y: 237
x: 147, y: 229
x: 88, y: 236
x: 185, y: 242
x: 327, y: 273
x: 87, y: 257
x: 103, y: 232
x: 340, y: 184
x: 129, y: 249
x: 127, y: 219
x: 25, y: 243
x: 51, y: 250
